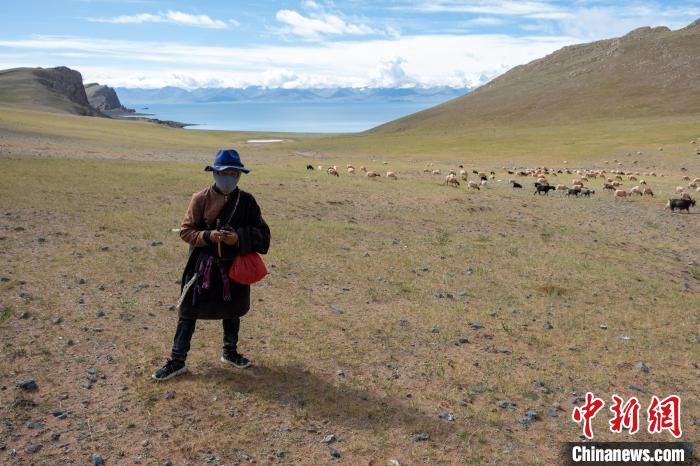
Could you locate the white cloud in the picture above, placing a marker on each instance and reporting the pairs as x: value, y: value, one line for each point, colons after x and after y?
x: 170, y: 16
x: 427, y: 60
x: 318, y: 24
x: 390, y: 73
x: 491, y: 7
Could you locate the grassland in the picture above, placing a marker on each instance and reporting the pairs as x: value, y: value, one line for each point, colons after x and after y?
x: 356, y: 330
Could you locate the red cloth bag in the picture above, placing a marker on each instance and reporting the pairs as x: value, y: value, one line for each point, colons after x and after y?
x: 247, y: 269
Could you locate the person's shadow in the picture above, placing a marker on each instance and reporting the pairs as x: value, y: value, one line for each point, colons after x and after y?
x: 317, y: 399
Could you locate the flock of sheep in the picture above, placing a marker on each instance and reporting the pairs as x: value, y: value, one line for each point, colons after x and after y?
x: 612, y: 181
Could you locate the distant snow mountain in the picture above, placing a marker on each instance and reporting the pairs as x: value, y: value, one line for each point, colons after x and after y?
x: 176, y: 95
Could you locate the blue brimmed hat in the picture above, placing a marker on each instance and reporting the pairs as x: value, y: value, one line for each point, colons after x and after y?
x: 227, y: 159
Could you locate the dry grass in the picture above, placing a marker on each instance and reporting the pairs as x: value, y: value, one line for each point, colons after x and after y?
x: 355, y: 268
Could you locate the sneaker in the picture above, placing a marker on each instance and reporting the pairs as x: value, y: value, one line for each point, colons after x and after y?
x: 236, y: 360
x: 169, y: 370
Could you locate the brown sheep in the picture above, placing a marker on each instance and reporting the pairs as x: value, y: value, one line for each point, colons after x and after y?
x: 373, y: 175
x: 332, y: 171
x: 648, y: 191
x: 620, y: 193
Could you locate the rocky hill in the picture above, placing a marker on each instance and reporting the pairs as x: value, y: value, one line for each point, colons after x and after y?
x: 51, y: 89
x: 105, y: 99
x: 647, y: 72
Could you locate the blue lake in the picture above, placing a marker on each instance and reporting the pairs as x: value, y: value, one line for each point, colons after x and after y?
x: 293, y: 117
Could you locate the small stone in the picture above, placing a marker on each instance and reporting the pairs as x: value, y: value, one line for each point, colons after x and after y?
x: 435, y: 330
x: 156, y: 243
x: 463, y: 340
x: 145, y: 443
x: 421, y: 437
x: 437, y: 294
x: 33, y: 448
x: 329, y: 439
x: 59, y: 414
x: 100, y: 313
x: 92, y: 370
x: 97, y: 460
x: 35, y: 425
x: 446, y: 417
x: 104, y: 248
x: 81, y: 281
x: 505, y: 404
x: 56, y: 320
x: 41, y: 239
x: 503, y: 349
x: 340, y: 373
x: 55, y: 435
x: 476, y: 325
x: 169, y: 395
x: 642, y: 367
x: 552, y: 412
x: 538, y: 384
x: 333, y: 452
x: 548, y: 325
x: 637, y: 388
x: 24, y: 315
x: 27, y: 385
x: 603, y: 326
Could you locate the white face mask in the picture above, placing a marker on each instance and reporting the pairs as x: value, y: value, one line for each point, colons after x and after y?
x: 225, y: 183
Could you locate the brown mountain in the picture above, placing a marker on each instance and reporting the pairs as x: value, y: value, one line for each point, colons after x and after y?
x: 50, y: 89
x: 105, y: 99
x: 648, y: 72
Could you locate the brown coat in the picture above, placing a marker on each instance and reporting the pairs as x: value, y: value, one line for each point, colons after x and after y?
x: 253, y: 236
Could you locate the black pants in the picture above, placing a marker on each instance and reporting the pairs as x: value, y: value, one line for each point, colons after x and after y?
x: 185, y: 329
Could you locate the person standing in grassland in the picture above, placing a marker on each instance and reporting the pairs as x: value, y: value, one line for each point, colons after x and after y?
x: 222, y: 221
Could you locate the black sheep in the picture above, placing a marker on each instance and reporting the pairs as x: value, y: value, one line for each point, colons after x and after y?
x: 309, y: 167
x: 517, y: 185
x: 543, y: 188
x: 680, y: 204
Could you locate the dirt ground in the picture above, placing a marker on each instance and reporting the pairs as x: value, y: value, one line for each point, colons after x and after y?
x: 414, y: 322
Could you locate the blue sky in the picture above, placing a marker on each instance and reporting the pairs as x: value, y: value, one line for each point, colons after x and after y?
x: 310, y: 43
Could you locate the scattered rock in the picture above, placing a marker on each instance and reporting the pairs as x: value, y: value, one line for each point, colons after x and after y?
x: 27, y: 385
x: 435, y: 330
x: 35, y: 425
x: 156, y: 243
x: 97, y: 460
x: 41, y: 239
x: 506, y: 404
x: 25, y: 295
x: 340, y: 373
x: 329, y: 439
x: 462, y: 340
x: 548, y: 325
x: 476, y: 325
x: 421, y: 437
x: 24, y: 315
x: 169, y: 395
x: 56, y: 320
x: 642, y: 367
x: 81, y: 281
x: 552, y: 412
x: 503, y: 349
x: 104, y: 248
x: 637, y: 388
x: 333, y: 452
x: 100, y: 313
x: 59, y: 414
x: 33, y: 448
x: 446, y: 417
x: 92, y: 370
x: 55, y: 435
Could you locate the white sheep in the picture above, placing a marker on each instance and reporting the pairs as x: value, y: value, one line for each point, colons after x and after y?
x: 474, y: 185
x: 391, y: 175
x: 351, y: 170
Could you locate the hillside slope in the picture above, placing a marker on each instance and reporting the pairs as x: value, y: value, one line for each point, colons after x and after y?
x: 49, y: 89
x: 648, y: 72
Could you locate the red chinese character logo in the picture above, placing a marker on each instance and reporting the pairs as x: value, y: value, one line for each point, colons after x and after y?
x: 665, y: 415
x: 587, y: 412
x: 626, y: 416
